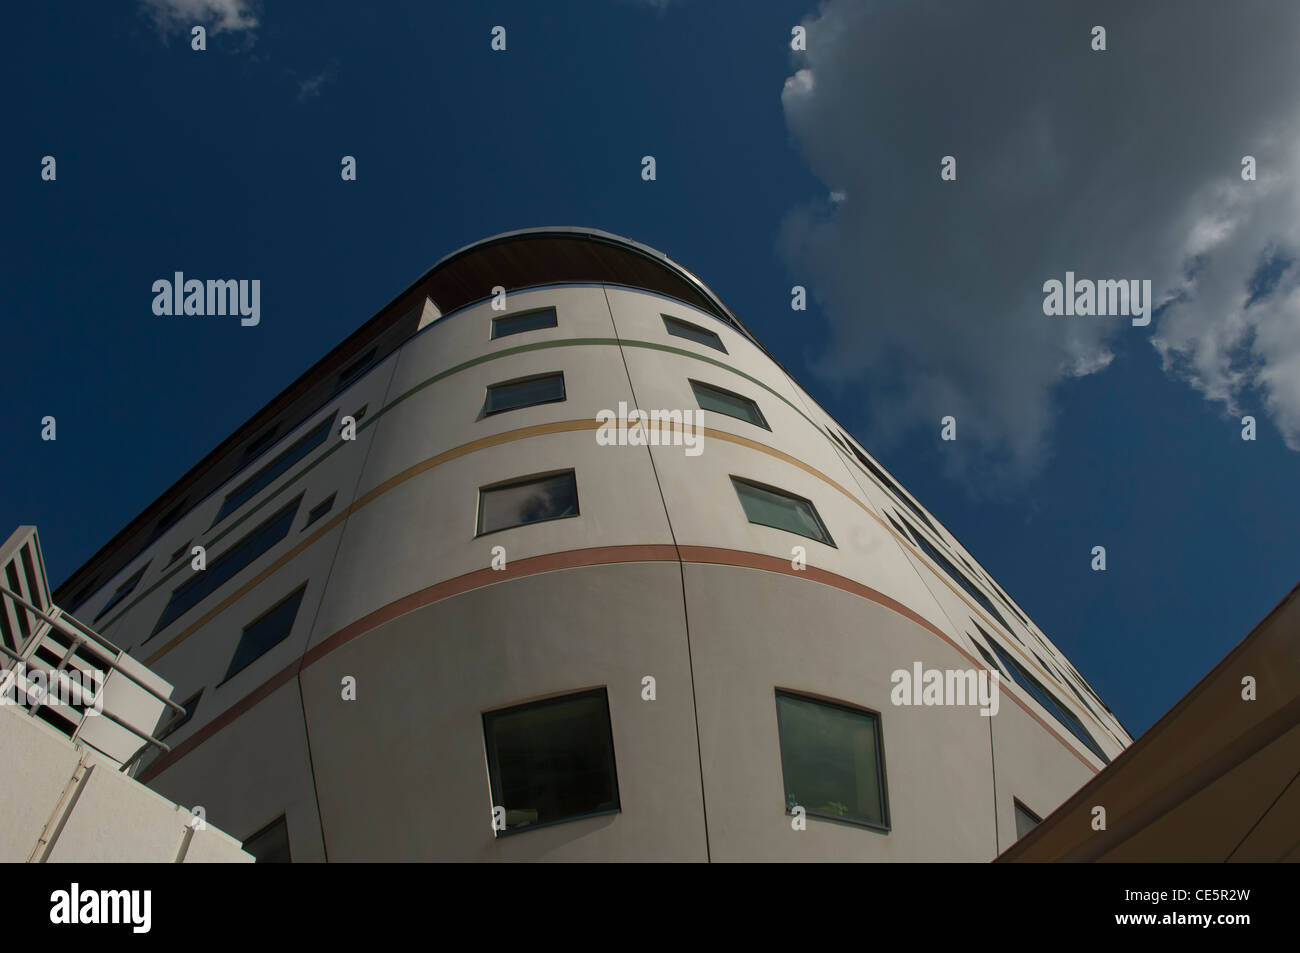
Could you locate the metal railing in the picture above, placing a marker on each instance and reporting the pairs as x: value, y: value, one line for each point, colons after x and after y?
x: 32, y: 624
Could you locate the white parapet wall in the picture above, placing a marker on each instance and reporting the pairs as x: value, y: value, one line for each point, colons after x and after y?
x: 63, y: 802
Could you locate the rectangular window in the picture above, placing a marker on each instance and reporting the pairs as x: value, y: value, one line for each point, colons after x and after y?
x: 832, y: 760
x: 993, y: 666
x: 901, y: 532
x: 269, y: 630
x: 319, y: 510
x: 354, y: 370
x: 191, y: 706
x: 528, y: 321
x: 1049, y: 701
x: 270, y: 845
x: 260, y: 445
x: 86, y: 592
x: 532, y: 500
x: 1026, y: 820
x: 692, y: 332
x: 770, y: 507
x: 168, y: 520
x: 552, y: 761
x: 960, y: 578
x: 889, y: 484
x: 225, y: 566
x: 720, y: 401
x: 122, y: 592
x: 525, y: 392
x: 263, y: 478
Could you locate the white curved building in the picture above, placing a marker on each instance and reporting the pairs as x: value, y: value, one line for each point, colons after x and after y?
x: 650, y: 670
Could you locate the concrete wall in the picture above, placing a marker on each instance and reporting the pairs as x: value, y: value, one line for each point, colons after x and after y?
x: 62, y: 804
x: 400, y: 595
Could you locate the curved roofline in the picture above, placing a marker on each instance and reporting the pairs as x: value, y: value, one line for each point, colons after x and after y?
x: 383, y: 333
x: 596, y: 234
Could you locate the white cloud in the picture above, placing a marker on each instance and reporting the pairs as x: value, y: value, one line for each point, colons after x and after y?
x: 215, y: 15
x: 1115, y: 164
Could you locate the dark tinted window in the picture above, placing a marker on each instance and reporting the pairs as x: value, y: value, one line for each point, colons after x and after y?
x: 552, y: 760
x: 528, y: 321
x: 269, y: 630
x: 319, y: 510
x: 692, y: 332
x: 511, y: 395
x: 227, y: 565
x: 960, y: 578
x: 1026, y: 820
x: 354, y: 370
x: 191, y: 706
x: 883, y: 477
x: 263, y: 478
x: 184, y: 550
x: 167, y: 521
x: 771, y: 507
x: 122, y: 592
x: 720, y: 401
x: 533, y: 500
x: 832, y: 760
x: 270, y: 845
x: 1049, y: 701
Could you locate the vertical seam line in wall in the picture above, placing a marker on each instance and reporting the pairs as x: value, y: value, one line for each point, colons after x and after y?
x: 993, y: 761
x: 681, y: 568
x: 311, y: 763
x: 324, y: 590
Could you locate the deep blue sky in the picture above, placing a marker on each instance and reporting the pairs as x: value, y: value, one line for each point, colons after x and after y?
x: 217, y: 165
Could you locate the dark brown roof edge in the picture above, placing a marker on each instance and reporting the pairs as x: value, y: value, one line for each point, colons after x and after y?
x: 1013, y: 852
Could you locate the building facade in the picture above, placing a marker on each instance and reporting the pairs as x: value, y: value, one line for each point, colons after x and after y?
x: 452, y: 609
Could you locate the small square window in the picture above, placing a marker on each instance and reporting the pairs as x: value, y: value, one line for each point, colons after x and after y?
x: 264, y: 634
x: 527, y: 321
x: 1026, y: 820
x: 717, y: 400
x: 319, y: 510
x: 122, y: 592
x: 354, y: 371
x: 270, y: 845
x: 533, y: 500
x: 552, y: 760
x: 525, y: 392
x: 190, y: 707
x: 692, y: 332
x: 768, y: 506
x: 832, y: 760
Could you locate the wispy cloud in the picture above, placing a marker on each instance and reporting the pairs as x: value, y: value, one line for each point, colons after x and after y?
x: 217, y: 16
x: 309, y: 87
